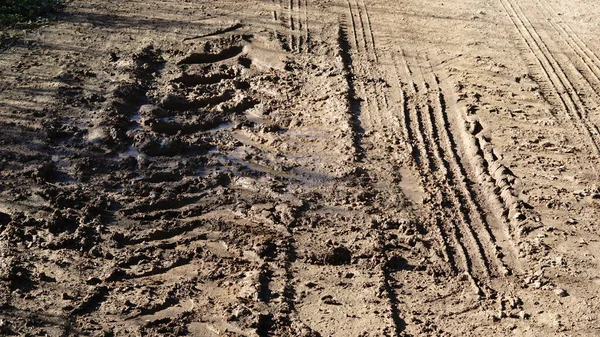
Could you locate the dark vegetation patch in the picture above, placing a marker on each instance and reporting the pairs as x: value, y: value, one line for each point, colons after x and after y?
x: 16, y: 11
x: 16, y: 15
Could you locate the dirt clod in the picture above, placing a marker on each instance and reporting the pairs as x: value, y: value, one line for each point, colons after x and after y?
x: 337, y: 256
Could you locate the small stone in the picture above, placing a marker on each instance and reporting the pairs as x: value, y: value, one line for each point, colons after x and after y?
x: 93, y: 281
x: 45, y: 278
x: 113, y: 57
x: 310, y: 284
x: 328, y: 299
x: 560, y: 292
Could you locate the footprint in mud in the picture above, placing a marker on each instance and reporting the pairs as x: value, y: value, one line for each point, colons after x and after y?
x: 209, y: 91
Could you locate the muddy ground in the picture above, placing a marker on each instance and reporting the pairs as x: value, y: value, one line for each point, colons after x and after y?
x: 302, y: 168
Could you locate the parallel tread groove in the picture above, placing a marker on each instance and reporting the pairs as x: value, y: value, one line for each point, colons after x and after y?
x: 553, y: 71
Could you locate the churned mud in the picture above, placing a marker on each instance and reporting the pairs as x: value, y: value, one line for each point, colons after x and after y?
x: 302, y: 168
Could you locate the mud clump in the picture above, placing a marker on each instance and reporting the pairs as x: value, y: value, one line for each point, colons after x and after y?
x: 396, y: 263
x: 337, y: 256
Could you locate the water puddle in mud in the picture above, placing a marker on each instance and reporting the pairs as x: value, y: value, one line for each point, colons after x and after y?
x: 130, y: 152
x: 235, y: 158
x: 244, y: 139
x: 135, y: 118
x: 60, y: 161
x: 222, y: 126
x: 307, y: 133
x: 254, y: 117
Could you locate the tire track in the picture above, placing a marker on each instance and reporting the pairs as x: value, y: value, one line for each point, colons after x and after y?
x: 410, y: 135
x: 170, y: 232
x: 574, y: 47
x: 553, y: 71
x: 595, y: 61
x: 292, y: 26
x: 279, y: 17
x: 300, y: 29
x: 297, y: 25
x: 293, y: 16
x: 454, y: 250
x: 444, y: 148
x: 404, y: 121
x: 368, y: 104
x: 473, y: 247
x: 362, y: 30
x: 354, y: 106
x: 591, y: 73
x: 363, y: 39
x: 353, y: 28
x: 365, y: 21
x: 581, y: 110
x: 363, y: 68
x: 275, y: 13
x: 306, y: 28
x: 480, y: 226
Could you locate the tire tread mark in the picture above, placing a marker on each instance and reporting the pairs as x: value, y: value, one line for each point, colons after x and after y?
x: 453, y: 173
x: 292, y: 36
x: 441, y: 216
x: 361, y: 22
x: 353, y: 23
x: 306, y: 28
x: 575, y: 48
x: 580, y: 110
x: 580, y: 49
x: 576, y: 38
x: 368, y: 29
x: 467, y: 196
x: 410, y: 138
x: 553, y: 71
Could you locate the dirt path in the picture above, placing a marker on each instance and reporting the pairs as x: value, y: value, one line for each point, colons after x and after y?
x: 302, y: 168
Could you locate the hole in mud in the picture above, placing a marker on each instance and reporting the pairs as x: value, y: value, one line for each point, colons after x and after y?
x: 174, y: 102
x: 245, y: 62
x: 397, y: 263
x: 191, y: 80
x: 242, y: 85
x: 5, y: 219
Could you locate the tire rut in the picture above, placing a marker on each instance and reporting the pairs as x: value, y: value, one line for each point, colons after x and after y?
x: 370, y: 113
x: 477, y: 237
x: 473, y: 262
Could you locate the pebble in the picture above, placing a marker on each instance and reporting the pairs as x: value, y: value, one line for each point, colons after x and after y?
x: 560, y: 292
